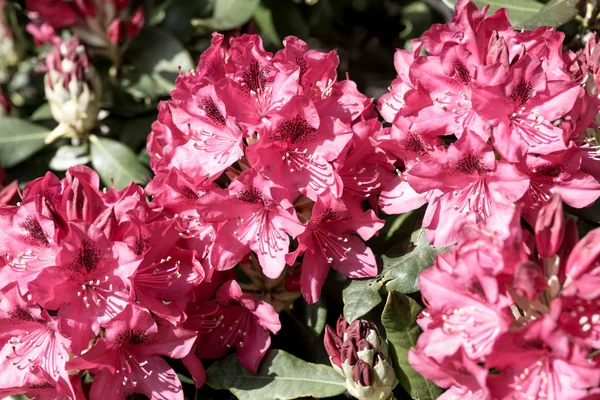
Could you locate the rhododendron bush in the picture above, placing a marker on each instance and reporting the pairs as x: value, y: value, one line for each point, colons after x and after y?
x: 269, y: 223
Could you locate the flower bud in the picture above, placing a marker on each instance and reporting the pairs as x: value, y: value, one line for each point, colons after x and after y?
x: 550, y: 228
x: 10, y: 52
x: 357, y: 352
x: 72, y: 88
x: 5, y: 106
x: 261, y: 287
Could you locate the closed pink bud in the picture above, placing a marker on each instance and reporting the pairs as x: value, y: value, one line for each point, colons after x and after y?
x: 550, y: 228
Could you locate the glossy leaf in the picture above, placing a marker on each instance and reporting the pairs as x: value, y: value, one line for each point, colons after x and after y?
x: 264, y: 20
x: 401, y: 329
x: 19, y: 139
x: 68, y: 156
x: 519, y: 11
x: 315, y: 315
x: 402, y: 273
x: 158, y: 56
x: 360, y: 297
x: 280, y: 376
x: 228, y: 14
x: 116, y: 163
x: 555, y: 13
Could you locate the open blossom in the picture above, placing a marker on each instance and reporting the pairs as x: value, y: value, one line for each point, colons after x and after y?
x: 253, y: 215
x: 127, y: 359
x: 233, y: 320
x: 331, y: 239
x: 33, y: 348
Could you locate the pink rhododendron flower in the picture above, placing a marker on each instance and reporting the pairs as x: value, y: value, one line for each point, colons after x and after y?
x: 472, y: 181
x: 233, y: 319
x: 33, y: 349
x: 253, y: 214
x: 127, y: 359
x: 515, y: 90
x: 329, y: 242
x: 528, y: 316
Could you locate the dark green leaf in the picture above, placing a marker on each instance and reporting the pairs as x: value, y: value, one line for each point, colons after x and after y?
x: 264, y: 20
x: 42, y: 113
x: 402, y: 273
x: 519, y: 11
x: 144, y: 158
x: 591, y: 213
x: 315, y: 315
x: 228, y: 14
x: 134, y: 131
x: 159, y: 54
x: 19, y: 139
x: 401, y: 329
x: 360, y: 297
x: 280, y: 376
x: 555, y: 13
x: 116, y: 163
x: 185, y: 379
x: 68, y: 156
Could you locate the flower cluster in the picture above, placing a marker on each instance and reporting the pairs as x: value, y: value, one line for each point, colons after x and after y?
x: 255, y: 149
x: 103, y: 282
x: 489, y: 116
x: 513, y: 315
x: 103, y: 24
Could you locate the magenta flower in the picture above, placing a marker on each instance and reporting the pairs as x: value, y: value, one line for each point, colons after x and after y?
x: 128, y: 359
x: 34, y: 351
x: 233, y: 320
x: 540, y: 362
x: 473, y: 183
x: 523, y: 108
x: 88, y: 282
x: 252, y: 214
x: 296, y: 153
x: 558, y: 173
x: 329, y: 241
x: 212, y: 139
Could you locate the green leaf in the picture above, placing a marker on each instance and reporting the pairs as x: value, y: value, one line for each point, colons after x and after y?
x: 158, y: 55
x: 134, y: 131
x: 144, y: 158
x: 19, y: 139
x: 402, y: 273
x: 281, y: 376
x: 42, y: 113
x: 264, y: 20
x: 519, y: 11
x: 68, y: 156
x: 360, y: 297
x: 228, y: 14
x: 116, y: 163
x: 315, y: 315
x: 591, y: 213
x: 555, y: 13
x: 185, y: 379
x: 399, y: 320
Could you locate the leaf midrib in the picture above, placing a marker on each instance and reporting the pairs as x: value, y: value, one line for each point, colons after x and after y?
x: 501, y: 4
x: 277, y: 377
x: 17, y: 138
